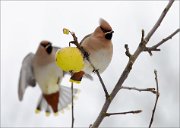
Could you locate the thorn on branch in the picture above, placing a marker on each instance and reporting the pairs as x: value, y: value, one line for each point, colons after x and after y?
x: 122, y: 113
x: 127, y: 51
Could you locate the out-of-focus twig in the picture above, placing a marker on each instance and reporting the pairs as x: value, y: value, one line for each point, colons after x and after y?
x: 72, y: 105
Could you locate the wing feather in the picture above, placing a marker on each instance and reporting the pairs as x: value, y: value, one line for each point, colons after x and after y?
x: 26, y: 77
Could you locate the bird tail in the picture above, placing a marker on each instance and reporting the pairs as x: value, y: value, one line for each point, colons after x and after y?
x: 77, y: 77
x: 65, y: 100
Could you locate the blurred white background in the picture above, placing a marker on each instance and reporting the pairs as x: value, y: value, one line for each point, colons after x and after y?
x: 25, y: 24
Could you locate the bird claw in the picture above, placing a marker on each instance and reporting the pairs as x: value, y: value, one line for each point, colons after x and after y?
x: 95, y: 70
x: 71, y: 42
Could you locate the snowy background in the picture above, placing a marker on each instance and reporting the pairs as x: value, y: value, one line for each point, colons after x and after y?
x: 25, y: 24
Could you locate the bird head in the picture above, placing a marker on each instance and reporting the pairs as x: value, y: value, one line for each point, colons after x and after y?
x: 47, y: 46
x: 104, y: 29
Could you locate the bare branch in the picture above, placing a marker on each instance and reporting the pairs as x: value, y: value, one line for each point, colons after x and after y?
x: 140, y: 90
x: 122, y: 113
x: 155, y: 47
x: 163, y: 14
x: 102, y: 83
x: 157, y: 96
x: 129, y: 65
x: 72, y: 105
x: 75, y: 42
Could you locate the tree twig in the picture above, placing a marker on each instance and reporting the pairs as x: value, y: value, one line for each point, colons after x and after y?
x: 163, y: 14
x: 102, y: 83
x: 72, y: 105
x: 157, y: 96
x: 127, y: 51
x: 138, y: 89
x: 128, y: 67
x: 155, y: 47
x: 121, y: 113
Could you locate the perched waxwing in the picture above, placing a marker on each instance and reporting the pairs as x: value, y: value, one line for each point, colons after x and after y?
x: 41, y: 68
x: 100, y: 49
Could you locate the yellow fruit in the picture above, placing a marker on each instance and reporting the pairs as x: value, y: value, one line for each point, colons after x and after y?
x: 69, y: 59
x: 66, y: 31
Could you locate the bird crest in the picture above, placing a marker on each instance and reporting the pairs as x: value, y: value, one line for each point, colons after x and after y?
x: 104, y: 25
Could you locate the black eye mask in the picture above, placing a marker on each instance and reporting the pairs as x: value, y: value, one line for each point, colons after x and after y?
x: 108, y: 36
x: 49, y: 49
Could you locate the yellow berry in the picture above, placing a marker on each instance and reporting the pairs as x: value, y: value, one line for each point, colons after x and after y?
x: 66, y: 31
x: 69, y: 59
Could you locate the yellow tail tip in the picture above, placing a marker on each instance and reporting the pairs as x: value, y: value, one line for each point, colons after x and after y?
x: 47, y: 113
x: 75, y: 81
x: 37, y: 111
x: 56, y: 113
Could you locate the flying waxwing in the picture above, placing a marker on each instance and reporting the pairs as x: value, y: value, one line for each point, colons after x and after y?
x: 41, y: 68
x: 100, y: 49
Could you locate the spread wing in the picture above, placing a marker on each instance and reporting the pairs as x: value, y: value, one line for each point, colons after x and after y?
x: 26, y: 77
x: 64, y: 100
